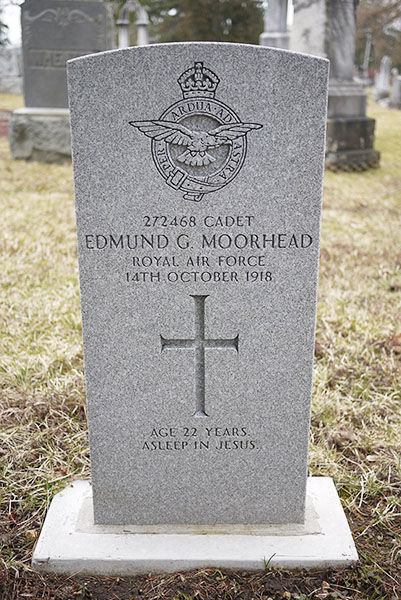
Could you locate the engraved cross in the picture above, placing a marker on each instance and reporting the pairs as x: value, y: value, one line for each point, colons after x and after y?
x: 199, y: 344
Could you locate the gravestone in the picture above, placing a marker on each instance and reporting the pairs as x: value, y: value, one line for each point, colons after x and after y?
x: 382, y: 81
x: 308, y: 32
x: 10, y: 71
x: 327, y: 28
x: 396, y: 92
x: 275, y: 32
x: 198, y: 183
x: 141, y: 24
x: 54, y: 31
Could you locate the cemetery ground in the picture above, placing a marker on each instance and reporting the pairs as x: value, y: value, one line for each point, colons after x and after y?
x: 356, y: 417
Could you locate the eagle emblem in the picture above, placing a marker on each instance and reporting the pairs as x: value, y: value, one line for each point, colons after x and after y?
x: 198, y: 144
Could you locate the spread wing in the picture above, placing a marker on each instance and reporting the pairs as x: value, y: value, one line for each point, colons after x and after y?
x: 165, y: 130
x: 225, y: 134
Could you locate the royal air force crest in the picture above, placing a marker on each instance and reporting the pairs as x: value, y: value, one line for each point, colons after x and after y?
x: 199, y: 143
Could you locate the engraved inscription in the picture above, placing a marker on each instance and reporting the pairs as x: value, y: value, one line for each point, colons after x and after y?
x: 53, y: 59
x: 62, y: 17
x: 217, y: 438
x: 229, y: 249
x: 199, y: 344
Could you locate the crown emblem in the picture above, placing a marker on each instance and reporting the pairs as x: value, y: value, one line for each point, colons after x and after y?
x: 198, y: 81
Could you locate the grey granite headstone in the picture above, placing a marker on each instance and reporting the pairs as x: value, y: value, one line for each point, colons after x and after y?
x: 198, y: 180
x: 54, y: 31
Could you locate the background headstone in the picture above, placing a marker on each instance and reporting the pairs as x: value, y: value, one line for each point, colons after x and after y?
x: 382, y: 81
x: 198, y: 278
x: 10, y: 71
x: 327, y: 28
x: 275, y: 29
x: 396, y: 92
x: 308, y: 32
x: 54, y: 31
x: 141, y: 24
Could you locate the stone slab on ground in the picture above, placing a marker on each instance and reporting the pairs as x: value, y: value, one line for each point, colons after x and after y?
x: 40, y: 134
x: 71, y: 543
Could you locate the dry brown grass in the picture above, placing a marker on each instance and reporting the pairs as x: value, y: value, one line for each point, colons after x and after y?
x: 11, y: 101
x: 356, y: 420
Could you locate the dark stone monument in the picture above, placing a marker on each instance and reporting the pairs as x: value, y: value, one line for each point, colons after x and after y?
x: 54, y: 31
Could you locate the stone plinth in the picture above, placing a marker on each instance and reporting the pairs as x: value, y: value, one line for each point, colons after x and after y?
x: 71, y: 543
x: 350, y: 133
x: 40, y: 134
x: 279, y: 39
x: 346, y: 99
x: 349, y: 144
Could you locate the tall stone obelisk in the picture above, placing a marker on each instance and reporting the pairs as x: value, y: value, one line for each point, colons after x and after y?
x: 327, y: 28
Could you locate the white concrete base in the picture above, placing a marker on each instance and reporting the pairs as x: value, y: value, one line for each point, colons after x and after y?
x: 71, y: 543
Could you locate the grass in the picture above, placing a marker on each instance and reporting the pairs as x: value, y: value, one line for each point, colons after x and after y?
x: 356, y: 420
x: 11, y: 101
